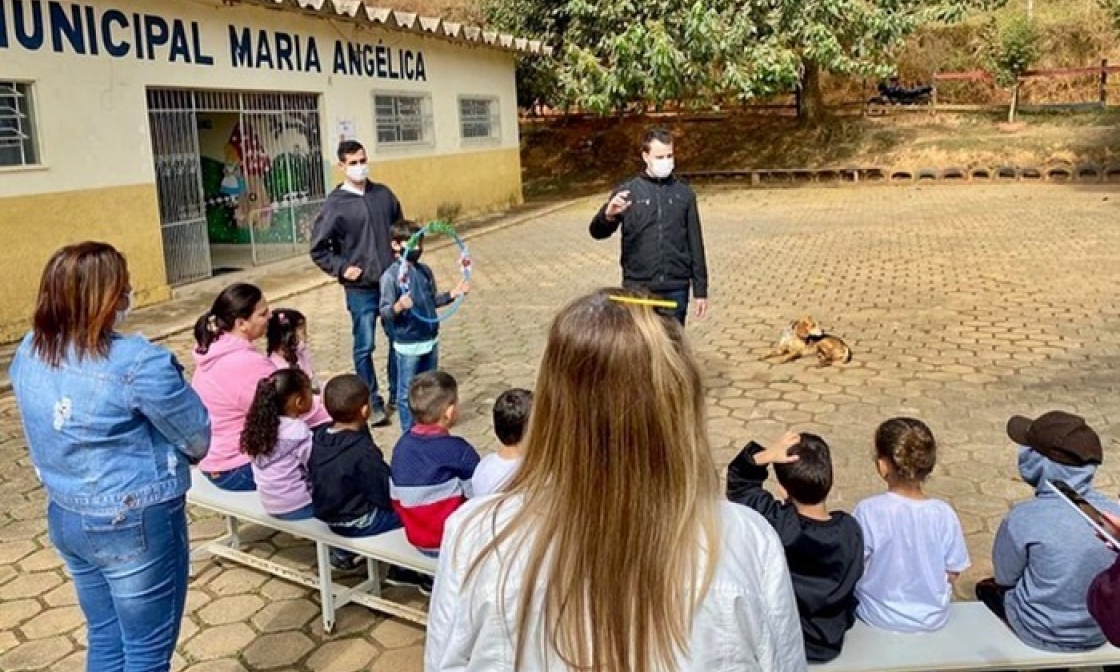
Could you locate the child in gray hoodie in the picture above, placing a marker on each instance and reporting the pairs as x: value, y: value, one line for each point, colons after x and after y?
x: 1041, y: 594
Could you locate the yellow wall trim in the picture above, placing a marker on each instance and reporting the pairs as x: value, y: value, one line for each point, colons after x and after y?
x: 452, y: 186
x: 33, y: 227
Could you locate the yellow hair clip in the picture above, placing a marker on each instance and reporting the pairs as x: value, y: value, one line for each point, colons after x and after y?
x: 637, y: 301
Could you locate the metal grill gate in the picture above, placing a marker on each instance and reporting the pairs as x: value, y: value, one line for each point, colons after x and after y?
x: 283, y: 184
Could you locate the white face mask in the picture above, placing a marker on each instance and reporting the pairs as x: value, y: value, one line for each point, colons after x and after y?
x: 358, y: 173
x: 661, y: 168
x: 123, y: 314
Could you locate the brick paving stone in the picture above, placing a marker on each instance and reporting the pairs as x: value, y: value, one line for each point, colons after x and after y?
x: 42, y: 560
x: 231, y: 609
x: 394, y: 634
x: 15, y: 612
x: 8, y: 641
x: 272, y: 651
x: 61, y: 596
x: 236, y: 582
x: 343, y: 655
x: 277, y: 589
x: 410, y: 659
x: 285, y: 615
x: 36, y: 655
x: 13, y: 551
x: 29, y: 585
x: 55, y: 621
x: 217, y: 666
x: 219, y: 641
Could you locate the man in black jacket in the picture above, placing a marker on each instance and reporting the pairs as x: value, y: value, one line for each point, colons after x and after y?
x: 350, y: 241
x: 662, y: 245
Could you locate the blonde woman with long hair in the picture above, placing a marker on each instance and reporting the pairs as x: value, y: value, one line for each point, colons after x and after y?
x: 611, y: 549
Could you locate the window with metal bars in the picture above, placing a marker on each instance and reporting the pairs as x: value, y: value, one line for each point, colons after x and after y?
x: 17, y: 125
x: 479, y: 118
x: 402, y: 119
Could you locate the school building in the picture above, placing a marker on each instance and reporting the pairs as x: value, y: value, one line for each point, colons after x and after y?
x: 198, y: 136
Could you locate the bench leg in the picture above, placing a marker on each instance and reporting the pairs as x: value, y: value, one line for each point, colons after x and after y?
x: 231, y: 528
x: 326, y: 587
x: 373, y: 574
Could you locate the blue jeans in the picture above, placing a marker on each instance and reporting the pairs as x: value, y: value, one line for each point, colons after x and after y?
x: 377, y: 522
x: 130, y: 571
x: 681, y: 311
x: 408, y: 367
x: 234, y: 480
x: 362, y: 304
x: 302, y: 513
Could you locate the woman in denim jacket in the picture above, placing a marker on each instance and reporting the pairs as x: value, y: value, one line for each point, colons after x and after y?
x: 112, y: 428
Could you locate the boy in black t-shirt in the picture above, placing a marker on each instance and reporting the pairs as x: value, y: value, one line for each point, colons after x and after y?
x: 824, y: 549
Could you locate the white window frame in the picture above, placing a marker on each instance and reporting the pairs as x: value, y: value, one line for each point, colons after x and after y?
x: 493, y: 119
x: 399, y: 123
x: 18, y: 127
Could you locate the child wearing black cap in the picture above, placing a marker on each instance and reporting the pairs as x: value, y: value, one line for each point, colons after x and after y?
x: 1041, y: 594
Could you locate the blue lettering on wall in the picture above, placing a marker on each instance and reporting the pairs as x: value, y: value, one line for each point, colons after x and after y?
x: 33, y: 40
x: 382, y: 60
x: 264, y: 51
x: 69, y: 25
x: 91, y: 31
x: 200, y: 57
x: 284, y: 49
x: 240, y: 45
x: 88, y: 30
x: 115, y: 48
x: 155, y: 34
x: 3, y: 26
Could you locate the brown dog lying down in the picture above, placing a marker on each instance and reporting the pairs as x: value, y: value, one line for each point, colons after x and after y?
x: 804, y: 336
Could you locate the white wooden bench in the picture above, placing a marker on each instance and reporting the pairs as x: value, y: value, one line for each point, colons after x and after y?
x: 391, y: 548
x: 973, y: 639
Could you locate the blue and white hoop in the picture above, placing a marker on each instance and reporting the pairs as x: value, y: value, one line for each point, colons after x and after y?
x: 445, y: 229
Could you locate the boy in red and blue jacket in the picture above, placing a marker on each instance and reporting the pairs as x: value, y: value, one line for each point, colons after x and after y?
x: 431, y: 470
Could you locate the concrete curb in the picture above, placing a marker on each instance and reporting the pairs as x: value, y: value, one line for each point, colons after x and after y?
x: 467, y: 231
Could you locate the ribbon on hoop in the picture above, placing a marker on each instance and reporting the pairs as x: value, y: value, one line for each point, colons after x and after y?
x: 442, y: 228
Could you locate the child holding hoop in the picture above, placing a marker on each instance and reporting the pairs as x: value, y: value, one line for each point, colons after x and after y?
x: 409, y: 300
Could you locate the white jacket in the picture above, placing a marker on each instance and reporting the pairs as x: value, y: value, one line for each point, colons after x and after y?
x: 748, y: 621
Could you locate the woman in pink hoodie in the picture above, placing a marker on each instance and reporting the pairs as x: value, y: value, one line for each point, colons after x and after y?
x: 228, y: 367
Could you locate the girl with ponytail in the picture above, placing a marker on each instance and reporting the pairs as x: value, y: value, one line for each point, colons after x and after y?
x: 228, y: 367
x: 278, y: 443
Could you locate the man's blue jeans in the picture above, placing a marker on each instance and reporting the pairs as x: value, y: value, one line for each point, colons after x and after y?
x: 408, y: 367
x: 362, y: 303
x: 130, y: 571
x: 235, y: 480
x: 680, y: 296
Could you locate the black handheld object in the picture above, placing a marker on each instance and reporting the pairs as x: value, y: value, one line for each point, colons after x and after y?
x: 1089, y: 512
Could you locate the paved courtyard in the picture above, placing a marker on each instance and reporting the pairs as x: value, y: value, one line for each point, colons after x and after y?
x: 963, y: 305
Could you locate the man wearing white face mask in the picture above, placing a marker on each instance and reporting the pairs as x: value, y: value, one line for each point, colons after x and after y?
x: 350, y: 241
x: 662, y: 244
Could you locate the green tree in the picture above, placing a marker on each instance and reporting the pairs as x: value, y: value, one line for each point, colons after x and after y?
x: 1012, y: 48
x: 630, y: 54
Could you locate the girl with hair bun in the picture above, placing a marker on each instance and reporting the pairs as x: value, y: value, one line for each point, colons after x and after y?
x: 913, y: 545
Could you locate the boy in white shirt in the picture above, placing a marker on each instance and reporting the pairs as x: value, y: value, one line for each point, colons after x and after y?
x: 511, y: 415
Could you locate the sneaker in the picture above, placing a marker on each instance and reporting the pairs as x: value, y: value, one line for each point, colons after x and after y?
x: 379, y: 418
x: 346, y: 562
x: 406, y: 578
